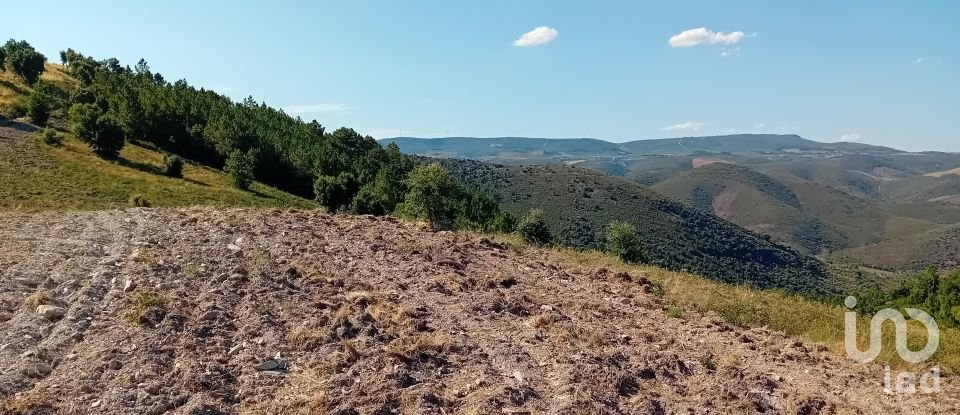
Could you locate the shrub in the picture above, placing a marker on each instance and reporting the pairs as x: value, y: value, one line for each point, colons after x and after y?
x: 172, y: 165
x: 622, y: 241
x: 52, y: 138
x: 533, y: 229
x: 39, y: 105
x: 139, y: 201
x: 503, y: 222
x: 108, y: 140
x: 431, y: 195
x: 100, y: 131
x: 240, y: 167
x: 336, y: 193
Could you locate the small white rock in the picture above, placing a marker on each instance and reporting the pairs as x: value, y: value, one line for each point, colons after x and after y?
x: 51, y: 312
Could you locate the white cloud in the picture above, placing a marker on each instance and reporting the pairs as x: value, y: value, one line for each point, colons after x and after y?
x: 730, y: 52
x: 918, y: 60
x: 703, y: 36
x: 759, y: 126
x: 731, y: 130
x: 851, y: 137
x: 537, y: 36
x: 684, y: 126
x: 315, y: 108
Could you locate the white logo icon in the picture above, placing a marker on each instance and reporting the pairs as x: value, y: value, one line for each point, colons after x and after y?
x: 906, y: 382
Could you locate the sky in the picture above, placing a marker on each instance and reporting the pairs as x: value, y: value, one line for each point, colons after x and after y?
x: 877, y: 72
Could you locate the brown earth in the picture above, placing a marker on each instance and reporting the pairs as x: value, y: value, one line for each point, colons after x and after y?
x: 186, y: 311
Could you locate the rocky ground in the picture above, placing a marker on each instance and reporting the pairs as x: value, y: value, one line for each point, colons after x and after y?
x: 198, y: 311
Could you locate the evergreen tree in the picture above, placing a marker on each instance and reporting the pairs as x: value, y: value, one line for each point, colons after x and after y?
x: 623, y: 241
x: 240, y: 167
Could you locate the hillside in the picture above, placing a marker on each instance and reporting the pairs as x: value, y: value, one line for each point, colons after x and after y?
x: 754, y: 201
x: 939, y: 247
x: 579, y: 203
x: 816, y: 197
x: 37, y: 176
x: 202, y: 311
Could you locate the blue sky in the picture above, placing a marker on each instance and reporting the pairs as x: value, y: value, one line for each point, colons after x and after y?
x: 877, y: 72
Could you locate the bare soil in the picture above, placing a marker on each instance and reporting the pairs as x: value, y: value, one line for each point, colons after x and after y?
x: 202, y: 311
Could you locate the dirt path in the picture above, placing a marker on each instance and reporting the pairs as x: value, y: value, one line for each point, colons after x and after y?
x: 370, y: 316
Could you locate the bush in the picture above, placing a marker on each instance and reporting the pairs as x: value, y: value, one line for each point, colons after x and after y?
x: 503, y: 222
x: 172, y: 165
x: 108, y: 140
x: 335, y: 193
x: 431, y: 195
x: 139, y: 201
x: 533, y: 229
x: 51, y: 137
x: 240, y: 167
x: 100, y: 131
x: 39, y: 105
x: 622, y: 241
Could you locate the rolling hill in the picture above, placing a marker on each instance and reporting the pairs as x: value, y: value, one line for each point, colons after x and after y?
x: 528, y: 148
x: 579, y: 203
x: 817, y: 197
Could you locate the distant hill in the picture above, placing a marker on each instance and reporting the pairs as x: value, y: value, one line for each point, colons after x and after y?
x: 506, y: 147
x: 571, y: 149
x: 579, y: 203
x: 753, y: 200
x: 817, y: 197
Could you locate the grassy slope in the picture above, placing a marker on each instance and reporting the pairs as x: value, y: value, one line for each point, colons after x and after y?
x: 41, y: 177
x: 36, y: 176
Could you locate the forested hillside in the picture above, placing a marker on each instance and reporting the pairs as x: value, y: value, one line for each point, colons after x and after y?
x: 578, y: 205
x: 107, y: 105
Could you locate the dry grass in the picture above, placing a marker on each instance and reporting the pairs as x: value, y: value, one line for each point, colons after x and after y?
x: 143, y: 302
x: 38, y: 298
x: 797, y: 316
x: 415, y: 347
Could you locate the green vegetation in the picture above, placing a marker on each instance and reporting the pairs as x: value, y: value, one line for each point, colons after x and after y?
x: 430, y: 195
x: 39, y: 104
x: 24, y: 60
x: 533, y: 229
x: 51, y: 137
x: 172, y: 166
x: 71, y: 177
x: 240, y: 167
x: 142, y: 304
x: 99, y: 130
x: 578, y: 204
x: 935, y: 292
x: 623, y: 242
